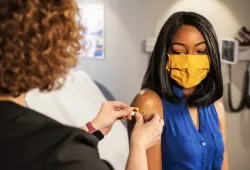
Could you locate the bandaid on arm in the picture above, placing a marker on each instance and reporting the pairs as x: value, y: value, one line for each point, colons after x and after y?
x: 134, y: 111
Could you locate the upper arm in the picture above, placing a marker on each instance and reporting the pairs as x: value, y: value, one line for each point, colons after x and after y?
x: 222, y: 122
x: 149, y: 102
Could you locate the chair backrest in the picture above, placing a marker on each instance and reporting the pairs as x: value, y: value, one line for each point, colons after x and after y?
x: 107, y: 94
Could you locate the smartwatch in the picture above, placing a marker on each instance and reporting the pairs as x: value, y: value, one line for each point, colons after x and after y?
x: 94, y: 131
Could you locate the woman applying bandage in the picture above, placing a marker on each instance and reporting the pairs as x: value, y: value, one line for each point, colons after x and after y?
x: 39, y: 41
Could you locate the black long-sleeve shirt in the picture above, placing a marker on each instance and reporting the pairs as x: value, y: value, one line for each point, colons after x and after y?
x: 32, y: 141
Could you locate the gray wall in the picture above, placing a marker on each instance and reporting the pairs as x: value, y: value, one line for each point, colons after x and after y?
x: 130, y: 22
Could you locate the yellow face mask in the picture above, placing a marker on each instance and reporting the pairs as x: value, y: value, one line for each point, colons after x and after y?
x: 188, y: 70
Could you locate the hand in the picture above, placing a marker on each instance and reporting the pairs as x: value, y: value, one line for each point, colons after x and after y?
x: 108, y: 114
x: 146, y: 134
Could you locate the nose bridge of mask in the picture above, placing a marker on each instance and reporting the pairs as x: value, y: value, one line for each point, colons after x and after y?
x: 190, y: 63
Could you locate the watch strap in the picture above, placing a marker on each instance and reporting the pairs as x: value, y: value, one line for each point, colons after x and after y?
x: 94, y: 131
x: 98, y: 134
x: 90, y: 127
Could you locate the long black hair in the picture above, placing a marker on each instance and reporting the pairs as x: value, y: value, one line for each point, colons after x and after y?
x: 157, y: 78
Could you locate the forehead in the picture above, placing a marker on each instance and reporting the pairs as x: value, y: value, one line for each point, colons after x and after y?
x: 187, y: 34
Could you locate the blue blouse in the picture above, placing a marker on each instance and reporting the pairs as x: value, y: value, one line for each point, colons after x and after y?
x: 183, y: 146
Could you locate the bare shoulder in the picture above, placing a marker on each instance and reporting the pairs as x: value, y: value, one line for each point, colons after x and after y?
x: 147, y: 96
x: 219, y: 106
x: 148, y: 101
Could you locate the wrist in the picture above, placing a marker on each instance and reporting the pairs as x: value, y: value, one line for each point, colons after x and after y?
x: 137, y: 148
x: 95, y: 123
x: 92, y: 130
x: 138, y: 145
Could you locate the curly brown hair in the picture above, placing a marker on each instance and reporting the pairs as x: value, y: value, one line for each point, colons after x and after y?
x: 39, y: 40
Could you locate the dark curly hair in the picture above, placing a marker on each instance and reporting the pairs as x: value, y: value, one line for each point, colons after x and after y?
x: 39, y: 40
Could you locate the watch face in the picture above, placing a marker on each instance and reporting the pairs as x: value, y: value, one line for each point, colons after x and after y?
x: 98, y: 134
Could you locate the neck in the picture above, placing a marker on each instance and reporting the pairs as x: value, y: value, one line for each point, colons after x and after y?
x: 189, y: 91
x: 20, y: 100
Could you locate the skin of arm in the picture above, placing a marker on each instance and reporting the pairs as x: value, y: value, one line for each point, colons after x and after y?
x: 149, y: 102
x: 222, y: 120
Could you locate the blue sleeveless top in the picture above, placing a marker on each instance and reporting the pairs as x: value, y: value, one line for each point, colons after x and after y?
x: 183, y: 146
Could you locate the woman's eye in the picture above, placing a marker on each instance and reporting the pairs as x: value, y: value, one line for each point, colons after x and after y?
x: 201, y: 52
x: 178, y: 52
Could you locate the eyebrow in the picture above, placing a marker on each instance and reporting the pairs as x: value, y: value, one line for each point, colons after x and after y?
x: 203, y: 42
x: 181, y: 44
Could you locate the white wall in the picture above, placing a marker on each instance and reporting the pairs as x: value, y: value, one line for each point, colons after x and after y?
x: 130, y: 22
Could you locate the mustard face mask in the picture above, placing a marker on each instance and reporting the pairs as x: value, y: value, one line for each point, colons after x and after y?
x: 188, y: 70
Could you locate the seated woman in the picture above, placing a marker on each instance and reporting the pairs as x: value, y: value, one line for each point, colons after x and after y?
x: 183, y: 83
